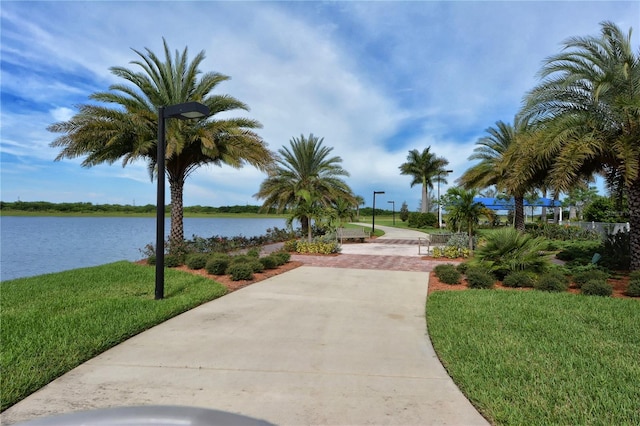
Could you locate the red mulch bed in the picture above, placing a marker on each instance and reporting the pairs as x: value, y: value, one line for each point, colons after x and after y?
x: 619, y: 286
x: 236, y: 285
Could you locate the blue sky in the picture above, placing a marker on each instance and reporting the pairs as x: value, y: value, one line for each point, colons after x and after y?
x: 375, y: 79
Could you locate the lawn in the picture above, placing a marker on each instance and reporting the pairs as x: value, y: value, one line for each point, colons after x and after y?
x: 541, y: 358
x: 52, y: 323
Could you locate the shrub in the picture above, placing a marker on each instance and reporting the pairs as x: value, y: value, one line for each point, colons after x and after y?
x: 151, y: 260
x: 282, y: 257
x: 318, y: 247
x: 581, y: 251
x: 581, y: 278
x: 560, y: 232
x: 269, y: 262
x: 478, y: 277
x: 551, y: 282
x: 506, y: 250
x: 447, y: 273
x: 256, y: 266
x: 254, y: 252
x: 196, y: 261
x: 172, y: 260
x: 240, y: 258
x: 462, y: 267
x: 519, y: 279
x: 634, y: 288
x: 422, y: 220
x: 461, y: 241
x: 240, y: 271
x: 450, y: 252
x: 217, y: 264
x: 616, y: 252
x: 290, y: 245
x: 597, y: 288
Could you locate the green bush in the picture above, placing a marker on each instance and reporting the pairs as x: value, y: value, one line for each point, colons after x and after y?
x: 616, y: 251
x: 580, y: 251
x: 151, y: 260
x: 240, y: 271
x: 551, y: 282
x: 256, y: 266
x: 317, y: 247
x: 422, y: 220
x: 507, y: 250
x: 560, y: 232
x: 478, y: 277
x: 254, y: 252
x: 462, y: 267
x: 447, y: 273
x: 269, y: 262
x: 519, y: 279
x: 196, y: 260
x: 634, y: 288
x: 583, y: 277
x: 218, y: 264
x: 282, y: 257
x: 240, y: 258
x: 597, y: 287
x: 172, y: 260
x: 290, y: 245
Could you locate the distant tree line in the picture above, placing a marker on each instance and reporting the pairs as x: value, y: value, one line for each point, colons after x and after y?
x: 48, y: 207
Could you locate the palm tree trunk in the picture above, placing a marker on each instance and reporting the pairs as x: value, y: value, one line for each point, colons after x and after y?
x: 423, y: 205
x: 177, y: 227
x: 634, y: 222
x: 519, y: 213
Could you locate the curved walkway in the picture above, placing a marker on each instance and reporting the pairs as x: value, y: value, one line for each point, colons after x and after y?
x: 344, y: 344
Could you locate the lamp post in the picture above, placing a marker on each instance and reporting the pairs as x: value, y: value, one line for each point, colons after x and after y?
x: 373, y: 218
x: 439, y: 204
x: 393, y: 206
x: 182, y: 111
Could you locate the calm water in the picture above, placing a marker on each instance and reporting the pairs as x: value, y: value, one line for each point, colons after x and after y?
x: 38, y: 245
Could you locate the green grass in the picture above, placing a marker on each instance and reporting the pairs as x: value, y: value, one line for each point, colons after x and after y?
x: 52, y: 323
x: 540, y: 358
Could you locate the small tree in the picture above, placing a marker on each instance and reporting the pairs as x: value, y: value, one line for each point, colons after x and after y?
x: 404, y: 212
x: 463, y: 211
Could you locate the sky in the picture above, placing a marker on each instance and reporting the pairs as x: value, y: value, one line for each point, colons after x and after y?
x: 374, y: 79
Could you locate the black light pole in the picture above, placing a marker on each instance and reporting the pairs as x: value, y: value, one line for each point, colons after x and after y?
x: 373, y: 219
x: 393, y: 206
x: 183, y: 112
x: 439, y: 204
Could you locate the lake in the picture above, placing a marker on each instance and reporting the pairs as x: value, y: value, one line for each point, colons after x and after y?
x: 38, y: 245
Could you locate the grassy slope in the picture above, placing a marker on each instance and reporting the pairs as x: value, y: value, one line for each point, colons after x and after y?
x: 541, y: 358
x: 52, y: 323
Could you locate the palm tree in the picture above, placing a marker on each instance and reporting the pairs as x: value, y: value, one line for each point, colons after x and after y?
x: 306, y: 165
x: 462, y: 210
x: 425, y: 168
x: 589, y: 104
x: 495, y: 153
x: 126, y: 127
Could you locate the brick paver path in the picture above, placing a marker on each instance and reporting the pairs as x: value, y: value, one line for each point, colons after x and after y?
x: 365, y: 261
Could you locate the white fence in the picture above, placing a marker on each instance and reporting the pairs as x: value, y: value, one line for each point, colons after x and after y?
x: 602, y: 228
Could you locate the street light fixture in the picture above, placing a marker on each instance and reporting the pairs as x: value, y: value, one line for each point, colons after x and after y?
x: 393, y: 206
x: 373, y: 219
x: 182, y: 111
x: 439, y: 204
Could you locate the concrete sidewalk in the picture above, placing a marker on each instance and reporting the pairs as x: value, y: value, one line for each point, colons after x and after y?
x: 313, y: 346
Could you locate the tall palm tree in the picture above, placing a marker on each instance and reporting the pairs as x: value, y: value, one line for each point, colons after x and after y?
x: 307, y: 165
x: 425, y: 168
x: 589, y: 104
x: 497, y: 164
x: 126, y: 126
